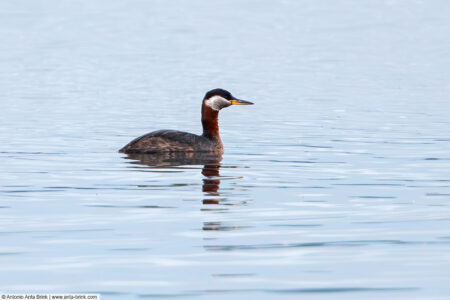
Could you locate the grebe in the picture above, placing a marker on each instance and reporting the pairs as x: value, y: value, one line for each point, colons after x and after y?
x: 178, y: 141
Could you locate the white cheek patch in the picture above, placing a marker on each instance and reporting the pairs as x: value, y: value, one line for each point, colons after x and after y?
x: 217, y: 102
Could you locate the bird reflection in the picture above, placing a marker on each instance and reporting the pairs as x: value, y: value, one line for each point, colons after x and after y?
x: 210, y: 162
x: 211, y: 182
x: 157, y: 160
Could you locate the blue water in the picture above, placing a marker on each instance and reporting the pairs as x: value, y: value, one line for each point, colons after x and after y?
x: 334, y: 185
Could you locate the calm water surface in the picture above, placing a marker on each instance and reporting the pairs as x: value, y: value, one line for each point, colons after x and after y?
x: 334, y: 185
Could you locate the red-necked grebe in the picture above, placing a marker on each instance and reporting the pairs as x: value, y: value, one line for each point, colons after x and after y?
x: 178, y: 141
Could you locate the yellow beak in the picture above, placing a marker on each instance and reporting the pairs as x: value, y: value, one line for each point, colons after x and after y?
x: 240, y: 102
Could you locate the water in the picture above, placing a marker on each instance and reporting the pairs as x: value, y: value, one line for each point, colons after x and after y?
x: 334, y: 185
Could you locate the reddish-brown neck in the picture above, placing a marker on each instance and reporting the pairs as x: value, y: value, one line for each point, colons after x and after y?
x: 210, y: 122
